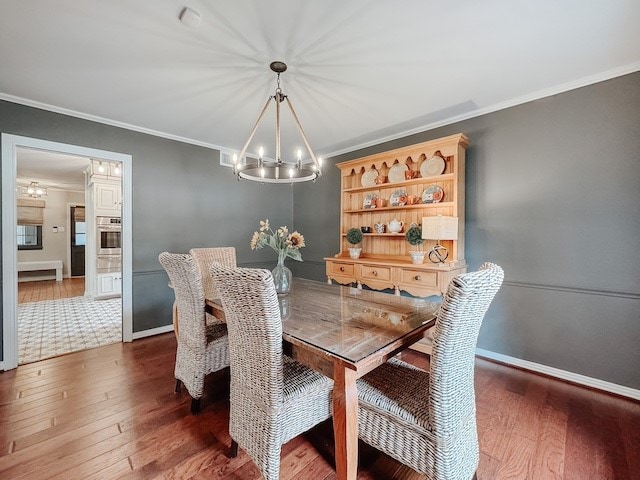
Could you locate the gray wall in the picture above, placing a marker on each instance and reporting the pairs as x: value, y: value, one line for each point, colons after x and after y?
x: 553, y: 196
x: 182, y: 198
x: 553, y: 189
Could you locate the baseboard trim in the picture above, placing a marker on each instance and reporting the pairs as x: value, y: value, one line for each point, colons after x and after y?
x: 561, y: 374
x: 2, y: 367
x: 152, y: 331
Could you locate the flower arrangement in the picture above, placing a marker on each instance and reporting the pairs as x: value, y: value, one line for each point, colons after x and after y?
x: 285, y: 244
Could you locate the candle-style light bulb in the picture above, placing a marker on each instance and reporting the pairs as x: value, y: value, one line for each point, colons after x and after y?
x: 234, y: 159
x: 299, y: 154
x: 262, y: 172
x: 291, y: 172
x: 260, y: 152
x: 116, y: 170
x: 320, y: 161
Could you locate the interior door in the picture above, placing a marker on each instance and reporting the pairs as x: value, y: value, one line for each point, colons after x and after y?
x: 78, y: 234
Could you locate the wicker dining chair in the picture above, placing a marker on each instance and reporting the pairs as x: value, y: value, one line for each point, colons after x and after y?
x: 428, y: 420
x: 202, y: 348
x: 273, y: 398
x: 204, y: 257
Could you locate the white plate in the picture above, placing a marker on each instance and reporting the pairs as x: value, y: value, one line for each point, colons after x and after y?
x: 396, y: 173
x: 369, y: 178
x: 433, y: 166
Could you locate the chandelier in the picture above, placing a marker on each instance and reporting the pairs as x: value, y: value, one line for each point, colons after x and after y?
x: 277, y: 171
x: 34, y: 190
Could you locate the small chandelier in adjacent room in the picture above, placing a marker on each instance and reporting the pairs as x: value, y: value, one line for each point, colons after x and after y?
x: 34, y: 190
x: 277, y: 171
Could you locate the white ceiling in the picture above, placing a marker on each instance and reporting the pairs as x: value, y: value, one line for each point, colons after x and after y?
x: 359, y: 71
x: 52, y: 170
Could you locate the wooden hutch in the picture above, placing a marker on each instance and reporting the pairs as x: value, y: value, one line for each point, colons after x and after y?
x: 385, y: 261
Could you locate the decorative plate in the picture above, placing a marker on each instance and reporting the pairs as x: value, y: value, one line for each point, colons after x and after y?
x: 368, y: 198
x: 398, y: 198
x: 434, y: 166
x: 369, y: 178
x: 432, y: 194
x: 396, y: 173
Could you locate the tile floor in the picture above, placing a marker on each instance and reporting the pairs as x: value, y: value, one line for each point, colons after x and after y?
x: 54, y: 327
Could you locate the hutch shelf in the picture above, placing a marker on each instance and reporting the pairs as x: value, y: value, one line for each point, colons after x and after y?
x: 385, y: 262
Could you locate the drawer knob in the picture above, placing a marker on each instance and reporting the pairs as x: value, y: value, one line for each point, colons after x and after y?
x: 374, y: 273
x: 342, y: 269
x: 417, y: 278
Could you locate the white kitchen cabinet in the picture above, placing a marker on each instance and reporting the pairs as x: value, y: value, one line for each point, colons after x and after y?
x: 108, y: 199
x: 109, y: 285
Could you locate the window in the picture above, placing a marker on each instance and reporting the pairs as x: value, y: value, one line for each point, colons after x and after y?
x: 80, y: 234
x: 29, y: 237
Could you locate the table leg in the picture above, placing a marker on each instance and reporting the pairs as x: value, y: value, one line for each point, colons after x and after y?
x: 345, y: 422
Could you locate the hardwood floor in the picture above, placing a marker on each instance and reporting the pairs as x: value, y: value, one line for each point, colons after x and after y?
x: 50, y: 289
x: 111, y: 413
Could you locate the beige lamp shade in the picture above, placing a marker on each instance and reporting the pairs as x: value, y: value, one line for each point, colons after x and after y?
x: 440, y: 228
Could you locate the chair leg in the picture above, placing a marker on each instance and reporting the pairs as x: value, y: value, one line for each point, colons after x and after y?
x: 178, y: 385
x: 233, y: 451
x: 195, y: 406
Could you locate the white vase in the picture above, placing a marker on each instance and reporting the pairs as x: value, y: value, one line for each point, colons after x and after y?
x: 354, y: 252
x: 417, y: 257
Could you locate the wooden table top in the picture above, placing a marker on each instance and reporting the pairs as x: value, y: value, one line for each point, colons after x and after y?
x: 349, y: 323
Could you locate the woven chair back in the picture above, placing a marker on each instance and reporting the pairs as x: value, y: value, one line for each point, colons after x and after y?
x: 205, y: 257
x: 451, y: 388
x: 254, y: 327
x: 187, y: 285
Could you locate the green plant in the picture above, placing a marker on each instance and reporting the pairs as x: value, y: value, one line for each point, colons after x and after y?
x: 354, y: 236
x: 414, y: 236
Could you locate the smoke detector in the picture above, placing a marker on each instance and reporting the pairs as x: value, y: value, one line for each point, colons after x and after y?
x: 190, y: 17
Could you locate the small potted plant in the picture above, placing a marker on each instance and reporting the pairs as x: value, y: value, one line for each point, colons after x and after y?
x: 354, y: 237
x: 414, y: 237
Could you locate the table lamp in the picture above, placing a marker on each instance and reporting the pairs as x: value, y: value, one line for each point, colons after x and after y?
x: 439, y: 228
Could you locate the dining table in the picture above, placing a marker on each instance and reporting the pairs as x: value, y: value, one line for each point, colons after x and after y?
x: 344, y: 333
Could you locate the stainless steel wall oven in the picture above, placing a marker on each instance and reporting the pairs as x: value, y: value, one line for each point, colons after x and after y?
x: 109, y: 244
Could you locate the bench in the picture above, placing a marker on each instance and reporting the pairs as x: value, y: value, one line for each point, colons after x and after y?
x: 42, y: 265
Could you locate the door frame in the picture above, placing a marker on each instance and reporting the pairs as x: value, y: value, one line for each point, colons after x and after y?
x: 10, y: 144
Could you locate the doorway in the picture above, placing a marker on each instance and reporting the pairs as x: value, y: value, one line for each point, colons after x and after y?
x: 77, y: 239
x: 10, y: 146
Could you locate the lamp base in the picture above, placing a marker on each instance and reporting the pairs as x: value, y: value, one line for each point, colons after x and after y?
x: 438, y: 254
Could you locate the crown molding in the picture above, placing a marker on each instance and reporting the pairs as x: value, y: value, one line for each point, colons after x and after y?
x: 547, y: 92
x: 106, y: 121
